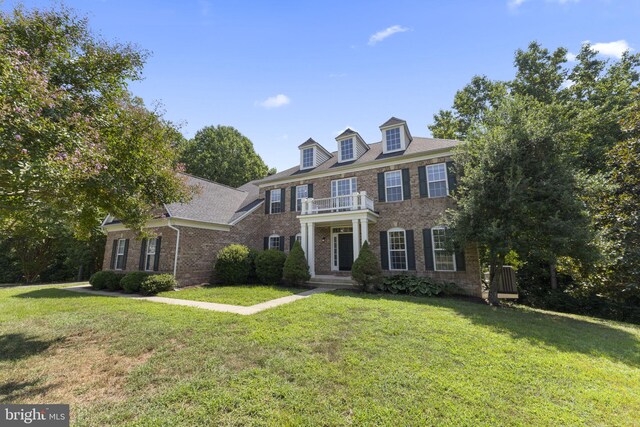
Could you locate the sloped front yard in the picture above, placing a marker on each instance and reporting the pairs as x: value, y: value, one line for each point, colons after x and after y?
x: 331, y: 359
x: 246, y: 295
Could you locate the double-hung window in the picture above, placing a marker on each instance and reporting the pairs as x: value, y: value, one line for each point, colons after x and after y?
x: 392, y: 137
x: 307, y: 158
x: 443, y: 258
x: 150, y: 257
x: 276, y: 201
x: 302, y: 192
x: 120, y: 254
x: 274, y: 242
x: 393, y: 186
x: 346, y: 150
x: 397, y: 249
x: 437, y: 180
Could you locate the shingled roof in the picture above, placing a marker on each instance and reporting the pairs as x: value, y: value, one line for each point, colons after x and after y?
x: 393, y: 121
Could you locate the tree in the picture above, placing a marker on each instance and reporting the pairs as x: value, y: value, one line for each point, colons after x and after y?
x: 366, y: 269
x: 224, y: 155
x: 296, y: 269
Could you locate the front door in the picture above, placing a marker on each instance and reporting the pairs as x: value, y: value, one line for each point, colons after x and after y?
x: 345, y: 251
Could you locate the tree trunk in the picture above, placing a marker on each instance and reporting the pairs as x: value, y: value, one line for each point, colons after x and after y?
x: 495, y: 269
x: 554, y: 278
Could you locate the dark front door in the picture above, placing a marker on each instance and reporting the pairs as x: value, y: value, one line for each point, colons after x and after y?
x: 345, y: 251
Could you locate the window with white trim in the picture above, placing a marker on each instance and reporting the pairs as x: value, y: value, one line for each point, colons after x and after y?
x: 437, y: 180
x: 302, y: 192
x: 341, y: 188
x: 346, y: 150
x: 275, y: 205
x: 298, y: 238
x: 307, y: 158
x: 120, y: 254
x: 392, y: 138
x: 274, y: 242
x: 444, y: 259
x: 397, y: 241
x: 393, y: 186
x: 150, y: 256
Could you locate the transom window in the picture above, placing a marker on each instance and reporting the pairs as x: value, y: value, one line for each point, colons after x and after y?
x: 274, y: 242
x: 302, y: 192
x: 393, y: 139
x: 307, y: 158
x: 276, y: 201
x: 397, y: 250
x: 120, y: 254
x: 346, y: 150
x: 393, y: 186
x: 151, y: 254
x: 437, y: 180
x: 444, y: 259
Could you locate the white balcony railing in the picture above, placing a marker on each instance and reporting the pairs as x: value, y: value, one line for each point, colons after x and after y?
x: 353, y: 202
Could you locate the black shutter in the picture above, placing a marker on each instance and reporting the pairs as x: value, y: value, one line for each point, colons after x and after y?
x: 428, y: 249
x: 267, y: 201
x: 293, y: 198
x: 282, y: 243
x: 156, y: 261
x: 406, y: 185
x: 266, y: 243
x: 283, y: 200
x: 143, y: 253
x: 309, y: 190
x: 126, y: 252
x: 422, y: 179
x: 381, y: 195
x: 113, y: 254
x: 411, y: 252
x: 384, y: 250
x: 451, y: 177
x: 292, y: 241
x: 460, y: 262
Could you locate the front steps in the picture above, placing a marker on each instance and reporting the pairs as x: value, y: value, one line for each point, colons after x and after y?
x: 328, y: 281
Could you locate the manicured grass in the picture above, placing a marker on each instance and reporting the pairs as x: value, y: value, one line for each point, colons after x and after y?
x: 235, y: 295
x: 338, y: 358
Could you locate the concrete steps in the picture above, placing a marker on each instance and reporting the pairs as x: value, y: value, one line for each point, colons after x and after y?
x: 337, y: 282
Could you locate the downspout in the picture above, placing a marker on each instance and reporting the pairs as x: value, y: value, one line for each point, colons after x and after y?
x: 175, y: 259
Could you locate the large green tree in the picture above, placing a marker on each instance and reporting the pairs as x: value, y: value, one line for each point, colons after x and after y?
x: 222, y: 154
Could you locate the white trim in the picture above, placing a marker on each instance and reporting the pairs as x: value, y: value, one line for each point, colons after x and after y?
x: 273, y: 236
x: 401, y: 137
x: 277, y: 191
x: 175, y: 257
x: 300, y: 198
x: 406, y: 254
x: 335, y: 246
x: 313, y: 157
x: 147, y: 253
x: 433, y: 251
x: 446, y: 179
x: 353, y: 149
x: 164, y: 222
x: 339, y: 170
x: 118, y: 254
x: 386, y: 194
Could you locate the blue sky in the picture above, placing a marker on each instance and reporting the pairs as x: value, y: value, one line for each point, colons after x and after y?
x: 281, y: 72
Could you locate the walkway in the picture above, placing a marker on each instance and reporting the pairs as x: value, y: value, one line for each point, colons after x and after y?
x: 225, y: 308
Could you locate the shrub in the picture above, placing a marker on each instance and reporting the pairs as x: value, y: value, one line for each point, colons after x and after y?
x: 131, y: 282
x: 269, y: 265
x: 253, y: 277
x: 233, y: 265
x: 366, y: 269
x: 157, y: 283
x: 106, y: 279
x: 414, y: 285
x: 296, y: 269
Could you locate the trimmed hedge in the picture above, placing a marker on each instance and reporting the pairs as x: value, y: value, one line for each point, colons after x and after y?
x: 233, y: 265
x: 366, y: 269
x: 296, y: 269
x: 156, y: 283
x: 415, y: 285
x: 269, y: 266
x: 106, y: 279
x: 131, y: 281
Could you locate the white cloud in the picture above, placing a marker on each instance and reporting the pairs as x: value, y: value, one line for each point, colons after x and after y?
x: 381, y: 35
x: 615, y: 49
x: 275, y: 101
x: 514, y: 4
x: 571, y: 57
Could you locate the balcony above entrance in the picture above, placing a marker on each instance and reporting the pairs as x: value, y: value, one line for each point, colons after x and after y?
x: 358, y: 201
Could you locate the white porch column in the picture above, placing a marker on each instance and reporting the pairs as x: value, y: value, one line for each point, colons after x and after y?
x: 303, y: 238
x: 356, y: 238
x: 311, y: 256
x: 365, y: 229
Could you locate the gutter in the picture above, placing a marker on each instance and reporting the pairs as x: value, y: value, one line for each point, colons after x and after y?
x: 175, y: 259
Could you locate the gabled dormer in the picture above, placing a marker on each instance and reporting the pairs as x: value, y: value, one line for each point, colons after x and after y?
x: 312, y: 154
x: 350, y: 146
x: 395, y: 135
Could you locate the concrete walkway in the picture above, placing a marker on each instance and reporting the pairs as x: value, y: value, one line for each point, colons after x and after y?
x: 225, y: 308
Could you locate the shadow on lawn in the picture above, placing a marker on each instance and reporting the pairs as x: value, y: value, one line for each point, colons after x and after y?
x: 18, y: 346
x: 54, y: 293
x: 543, y: 329
x: 13, y: 391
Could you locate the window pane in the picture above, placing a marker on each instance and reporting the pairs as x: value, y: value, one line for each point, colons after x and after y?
x: 307, y: 157
x: 437, y: 189
x: 437, y: 179
x: 276, y: 206
x: 302, y: 192
x: 444, y: 261
x: 274, y: 242
x: 397, y: 250
x: 393, y: 184
x: 346, y: 149
x: 393, y: 139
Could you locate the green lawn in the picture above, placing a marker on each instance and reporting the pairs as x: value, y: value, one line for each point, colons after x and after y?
x: 337, y: 358
x: 235, y: 295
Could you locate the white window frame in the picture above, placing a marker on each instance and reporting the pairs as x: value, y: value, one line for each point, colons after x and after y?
x: 150, y: 255
x: 386, y: 140
x: 386, y: 192
x: 313, y: 157
x: 433, y: 250
x: 343, y: 202
x: 279, y: 195
x: 271, y: 239
x: 406, y: 255
x: 341, y: 158
x: 298, y: 238
x: 298, y: 198
x: 120, y: 255
x: 446, y: 178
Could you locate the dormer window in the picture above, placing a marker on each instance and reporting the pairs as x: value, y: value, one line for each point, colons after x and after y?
x: 307, y: 158
x: 346, y: 150
x: 393, y: 139
x: 312, y: 154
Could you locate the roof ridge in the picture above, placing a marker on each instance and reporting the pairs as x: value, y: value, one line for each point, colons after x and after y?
x: 213, y: 182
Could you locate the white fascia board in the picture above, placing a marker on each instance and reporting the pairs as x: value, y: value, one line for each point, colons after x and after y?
x: 164, y: 222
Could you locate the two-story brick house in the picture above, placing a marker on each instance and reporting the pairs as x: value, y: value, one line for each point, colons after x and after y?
x: 391, y: 193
